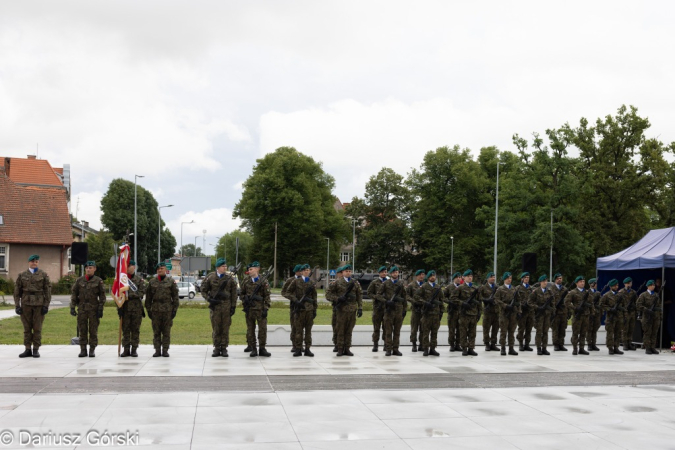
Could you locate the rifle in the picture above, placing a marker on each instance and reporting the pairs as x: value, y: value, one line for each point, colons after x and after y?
x: 392, y: 299
x: 343, y: 298
x: 432, y: 300
x: 298, y: 303
x: 579, y: 310
x: 470, y: 300
x: 545, y: 306
x: 490, y: 301
x: 249, y: 298
x: 216, y: 298
x: 562, y: 298
x: 656, y: 302
x: 630, y: 307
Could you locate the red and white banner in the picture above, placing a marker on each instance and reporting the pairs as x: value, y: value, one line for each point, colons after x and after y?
x: 121, y: 284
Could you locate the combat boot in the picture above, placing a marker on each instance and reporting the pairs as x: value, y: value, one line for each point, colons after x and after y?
x: 375, y: 347
x: 426, y: 352
x: 556, y: 348
x: 223, y: 352
x: 36, y: 353
x: 308, y: 352
x: 335, y: 349
x: 247, y: 349
x: 610, y: 350
x: 594, y: 348
x: 216, y: 352
x: 493, y: 348
x: 414, y: 347
x: 544, y: 351
x: 339, y: 352
x: 293, y: 349
x: 396, y: 352
x: 387, y: 353
x: 254, y: 353
x: 347, y: 352
x: 648, y: 351
x: 521, y: 348
x: 617, y: 351
x: 512, y: 351
x: 582, y: 351
x: 527, y: 347
x: 458, y: 348
x: 126, y: 352
x: 433, y: 352
x: 92, y: 351
x: 562, y: 348
x: 83, y: 351
x: 158, y: 352
x: 452, y: 348
x: 632, y: 347
x: 296, y: 353
x: 539, y: 352
x: 655, y: 351
x: 165, y: 352
x: 465, y: 352
x: 28, y: 352
x: 575, y: 351
x: 263, y: 352
x: 134, y: 354
x: 472, y: 352
x: 487, y: 347
x: 503, y: 351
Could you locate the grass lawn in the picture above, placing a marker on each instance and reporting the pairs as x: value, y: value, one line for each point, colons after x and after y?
x: 6, y: 307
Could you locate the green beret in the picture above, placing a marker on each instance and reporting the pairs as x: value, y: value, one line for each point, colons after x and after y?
x: 254, y: 264
x: 613, y: 282
x: 131, y: 263
x: 506, y: 275
x: 557, y: 275
x: 627, y: 280
x: 298, y: 268
x: 456, y: 275
x: 220, y: 262
x: 347, y: 267
x: 34, y: 258
x: 157, y: 266
x: 592, y: 281
x: 339, y: 269
x: 543, y: 278
x: 468, y: 272
x: 419, y: 272
x: 430, y: 273
x: 523, y: 275
x: 305, y: 267
x: 490, y: 274
x: 580, y: 278
x: 393, y: 269
x: 382, y: 269
x: 650, y: 283
x: 90, y: 264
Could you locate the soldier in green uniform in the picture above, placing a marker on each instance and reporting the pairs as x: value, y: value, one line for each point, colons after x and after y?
x: 161, y: 303
x: 648, y: 304
x: 378, y: 304
x: 255, y: 297
x: 559, y: 322
x: 611, y: 303
x: 347, y: 296
x: 297, y: 273
x: 579, y: 303
x: 131, y: 313
x: 526, y: 317
x: 32, y: 295
x: 416, y: 311
x: 595, y: 319
x: 430, y: 298
x: 393, y: 292
x: 470, y: 309
x: 490, y: 314
x: 303, y: 297
x: 508, y: 306
x: 453, y: 314
x: 338, y: 276
x: 630, y: 316
x: 541, y: 302
x: 88, y: 294
x: 220, y: 290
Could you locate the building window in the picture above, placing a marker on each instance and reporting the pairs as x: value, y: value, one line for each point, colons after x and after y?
x: 344, y: 257
x: 3, y: 257
x: 2, y: 220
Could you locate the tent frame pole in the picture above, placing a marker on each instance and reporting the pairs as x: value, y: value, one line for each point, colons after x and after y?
x: 663, y: 290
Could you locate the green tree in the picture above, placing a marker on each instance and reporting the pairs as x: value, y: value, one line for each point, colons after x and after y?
x: 100, y: 249
x: 293, y: 191
x: 189, y: 250
x: 227, y: 246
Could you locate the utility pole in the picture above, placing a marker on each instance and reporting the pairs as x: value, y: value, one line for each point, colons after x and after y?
x: 275, y: 254
x: 136, y: 177
x: 551, y: 257
x: 354, y: 245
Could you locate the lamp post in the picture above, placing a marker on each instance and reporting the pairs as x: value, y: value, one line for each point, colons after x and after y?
x: 136, y: 177
x: 159, y: 231
x: 196, y: 245
x: 181, y: 236
x: 496, y: 217
x: 452, y: 254
x: 354, y: 245
x: 328, y: 259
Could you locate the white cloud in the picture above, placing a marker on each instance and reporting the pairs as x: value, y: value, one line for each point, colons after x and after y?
x: 216, y: 222
x: 88, y: 208
x: 238, y: 186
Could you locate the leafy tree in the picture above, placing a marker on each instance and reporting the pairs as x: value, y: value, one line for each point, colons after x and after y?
x: 100, y: 249
x: 227, y: 246
x: 189, y: 250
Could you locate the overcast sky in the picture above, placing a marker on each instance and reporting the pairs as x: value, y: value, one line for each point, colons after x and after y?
x: 190, y: 94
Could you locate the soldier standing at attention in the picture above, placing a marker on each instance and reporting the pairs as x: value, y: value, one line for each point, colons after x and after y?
x: 88, y: 295
x: 611, y: 303
x: 302, y: 293
x: 579, y: 303
x: 509, y: 308
x: 256, y: 294
x: 595, y: 319
x: 378, y: 304
x: 648, y: 304
x: 453, y: 314
x: 490, y: 313
x: 393, y: 292
x: 32, y: 295
x: 470, y: 310
x: 132, y: 312
x: 347, y: 295
x: 297, y: 273
x: 630, y: 316
x: 540, y: 301
x: 161, y: 303
x: 338, y: 276
x: 526, y: 318
x: 416, y: 313
x: 559, y: 322
x: 430, y: 299
x: 220, y: 290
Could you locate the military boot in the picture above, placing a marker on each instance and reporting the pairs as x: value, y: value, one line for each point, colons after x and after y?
x: 539, y: 352
x: 126, y: 352
x: 575, y: 351
x: 263, y: 352
x: 223, y: 352
x: 465, y: 352
x: 503, y: 351
x: 655, y: 351
x: 426, y: 352
x: 521, y: 348
x: 512, y: 351
x: 527, y: 347
x: 556, y: 348
x: 487, y: 347
x: 339, y: 352
x: 458, y: 348
x: 165, y: 352
x: 158, y: 352
x: 472, y: 352
x: 648, y: 351
x: 387, y: 353
x: 254, y: 353
x: 375, y: 347
x: 617, y: 351
x: 562, y: 348
x: 610, y: 350
x: 134, y: 354
x: 28, y: 352
x: 452, y: 347
x: 247, y: 349
x: 544, y: 351
x: 493, y: 348
x: 347, y: 352
x: 414, y: 347
x: 293, y: 349
x: 216, y: 352
x: 594, y: 348
x: 297, y: 352
x: 335, y: 349
x: 92, y: 351
x: 308, y: 352
x: 396, y: 352
x: 36, y: 353
x: 582, y: 351
x: 632, y: 347
x: 433, y: 352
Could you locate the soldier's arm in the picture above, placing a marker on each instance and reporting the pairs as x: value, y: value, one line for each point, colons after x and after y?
x: 142, y: 287
x: 233, y: 291
x: 288, y: 291
x: 47, y: 291
x: 359, y: 294
x: 205, y: 287
x: 330, y: 292
x: 18, y: 291
x: 532, y: 299
x: 315, y: 297
x: 174, y: 297
x: 456, y: 296
x: 267, y: 295
x: 74, y: 294
x: 419, y: 296
x: 284, y: 288
x: 101, y: 295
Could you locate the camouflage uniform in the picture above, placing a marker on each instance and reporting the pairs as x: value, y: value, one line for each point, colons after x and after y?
x: 133, y: 313
x: 88, y: 294
x: 254, y: 310
x: 221, y: 308
x: 650, y: 326
x: 574, y: 301
x: 32, y: 293
x: 613, y: 320
x: 431, y: 315
x: 490, y: 315
x: 393, y: 312
x: 304, y: 311
x: 468, y: 315
x: 629, y: 317
x: 526, y: 319
x: 291, y: 312
x: 559, y: 322
x: 595, y: 319
x: 453, y: 318
x: 543, y: 312
x: 378, y: 309
x: 416, y: 312
x: 346, y: 310
x: 508, y: 320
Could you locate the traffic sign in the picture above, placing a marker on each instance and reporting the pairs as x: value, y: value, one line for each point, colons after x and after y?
x: 332, y: 272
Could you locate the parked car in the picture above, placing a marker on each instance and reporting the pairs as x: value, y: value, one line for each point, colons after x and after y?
x: 186, y: 289
x: 198, y: 285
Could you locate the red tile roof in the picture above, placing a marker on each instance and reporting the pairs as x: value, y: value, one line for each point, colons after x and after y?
x: 31, y: 171
x: 34, y: 215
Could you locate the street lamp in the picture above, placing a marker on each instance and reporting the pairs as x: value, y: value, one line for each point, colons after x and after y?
x: 136, y: 177
x: 496, y: 216
x: 159, y: 231
x: 328, y: 259
x: 196, y: 245
x: 452, y: 254
x: 181, y: 236
x: 354, y: 245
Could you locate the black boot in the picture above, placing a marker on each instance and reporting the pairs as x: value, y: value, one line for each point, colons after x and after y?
x: 452, y: 348
x: 387, y: 353
x: 223, y: 352
x: 216, y: 352
x: 165, y: 352
x: 575, y: 351
x: 594, y: 348
x: 617, y: 351
x: 335, y: 349
x: 308, y: 352
x: 263, y: 352
x: 28, y: 352
x: 158, y: 352
x: 126, y: 352
x: 648, y: 351
x: 556, y: 348
x: 503, y: 351
x: 610, y: 350
x: 527, y: 347
x: 512, y: 351
x: 472, y: 352
x: 655, y: 351
x: 347, y: 352
x: 414, y: 347
x: 521, y: 348
x: 544, y: 351
x: 36, y: 353
x: 458, y: 348
x: 493, y: 348
x: 487, y: 347
x: 254, y: 353
x: 339, y: 352
x: 297, y: 352
x: 375, y: 347
x: 247, y: 349
x: 293, y: 349
x: 562, y: 348
x: 92, y: 351
x: 396, y: 352
x: 426, y: 352
x: 433, y: 352
x: 134, y: 353
x: 582, y: 351
x: 465, y: 352
x: 539, y: 352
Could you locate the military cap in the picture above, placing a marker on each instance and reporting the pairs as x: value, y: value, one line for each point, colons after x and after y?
x: 254, y: 264
x: 506, y: 275
x: 347, y: 267
x: 393, y: 269
x: 580, y: 278
x: 339, y: 269
x: 381, y: 269
x: 305, y: 266
x: 468, y: 272
x: 419, y: 272
x: 627, y: 280
x: 490, y: 274
x: 157, y: 266
x: 34, y: 258
x: 650, y: 283
x: 543, y: 278
x: 131, y: 263
x: 592, y: 281
x: 220, y: 262
x: 613, y: 282
x: 523, y: 275
x: 90, y: 264
x: 297, y: 268
x: 430, y: 273
x: 456, y: 275
x: 557, y: 275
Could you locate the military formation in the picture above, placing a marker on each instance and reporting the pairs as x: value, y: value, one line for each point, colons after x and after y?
x: 509, y: 312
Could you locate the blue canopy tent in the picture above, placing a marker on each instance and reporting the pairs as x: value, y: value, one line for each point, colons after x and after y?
x: 651, y: 257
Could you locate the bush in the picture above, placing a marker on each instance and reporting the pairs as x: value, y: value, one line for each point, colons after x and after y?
x: 6, y: 287
x: 64, y: 285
